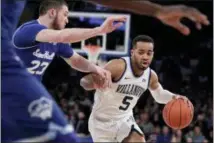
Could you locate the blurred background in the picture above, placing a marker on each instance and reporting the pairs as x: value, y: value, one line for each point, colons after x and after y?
x: 184, y: 65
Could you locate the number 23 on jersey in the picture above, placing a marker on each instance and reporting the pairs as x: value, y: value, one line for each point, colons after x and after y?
x: 38, y: 67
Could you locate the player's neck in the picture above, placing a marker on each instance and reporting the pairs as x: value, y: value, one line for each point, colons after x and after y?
x: 43, y: 20
x: 136, y: 71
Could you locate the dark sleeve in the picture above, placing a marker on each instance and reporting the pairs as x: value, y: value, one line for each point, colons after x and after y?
x: 25, y: 36
x: 65, y: 50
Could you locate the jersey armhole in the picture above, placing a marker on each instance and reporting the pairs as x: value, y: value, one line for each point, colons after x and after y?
x: 115, y: 81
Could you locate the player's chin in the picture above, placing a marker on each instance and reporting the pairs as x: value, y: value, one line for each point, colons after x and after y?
x: 144, y: 67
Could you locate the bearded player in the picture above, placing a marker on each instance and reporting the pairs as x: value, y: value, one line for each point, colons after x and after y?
x: 38, y: 41
x: 112, y: 119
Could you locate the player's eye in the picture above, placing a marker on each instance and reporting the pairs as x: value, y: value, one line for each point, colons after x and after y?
x: 140, y: 53
x: 150, y: 53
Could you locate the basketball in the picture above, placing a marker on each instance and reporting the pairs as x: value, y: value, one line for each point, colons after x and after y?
x: 178, y: 114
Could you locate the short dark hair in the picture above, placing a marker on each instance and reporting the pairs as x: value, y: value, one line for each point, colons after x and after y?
x: 48, y: 4
x: 142, y: 38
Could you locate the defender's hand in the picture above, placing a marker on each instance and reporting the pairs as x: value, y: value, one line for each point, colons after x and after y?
x: 102, y: 78
x: 110, y: 24
x: 171, y: 15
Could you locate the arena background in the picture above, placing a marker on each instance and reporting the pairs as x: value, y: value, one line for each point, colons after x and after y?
x: 184, y: 65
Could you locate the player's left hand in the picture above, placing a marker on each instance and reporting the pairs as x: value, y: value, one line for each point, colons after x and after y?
x: 171, y: 15
x: 112, y: 23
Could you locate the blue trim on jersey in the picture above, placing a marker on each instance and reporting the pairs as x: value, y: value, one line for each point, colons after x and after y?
x: 115, y: 81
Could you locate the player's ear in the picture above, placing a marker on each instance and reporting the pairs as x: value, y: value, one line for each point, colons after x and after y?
x: 132, y: 51
x: 52, y: 13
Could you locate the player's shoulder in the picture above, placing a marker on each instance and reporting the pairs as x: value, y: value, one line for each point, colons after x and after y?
x: 116, y: 63
x: 30, y: 23
x: 20, y: 27
x: 117, y: 67
x: 153, y: 76
x: 153, y: 73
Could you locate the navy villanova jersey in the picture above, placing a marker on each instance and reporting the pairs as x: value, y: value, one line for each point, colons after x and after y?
x: 37, y: 55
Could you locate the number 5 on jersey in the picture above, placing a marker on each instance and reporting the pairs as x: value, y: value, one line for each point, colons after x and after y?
x: 126, y: 102
x: 38, y: 67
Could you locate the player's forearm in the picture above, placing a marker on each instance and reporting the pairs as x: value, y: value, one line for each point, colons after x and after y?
x: 81, y: 64
x: 71, y: 35
x: 68, y: 35
x: 139, y: 7
x: 161, y: 95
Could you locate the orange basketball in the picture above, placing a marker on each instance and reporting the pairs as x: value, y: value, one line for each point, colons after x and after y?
x: 177, y: 114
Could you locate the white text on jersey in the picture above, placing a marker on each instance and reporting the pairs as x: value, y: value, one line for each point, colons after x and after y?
x: 130, y: 89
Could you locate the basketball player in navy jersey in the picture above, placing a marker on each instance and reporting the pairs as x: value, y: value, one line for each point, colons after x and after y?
x: 28, y: 112
x: 38, y: 41
x: 111, y: 118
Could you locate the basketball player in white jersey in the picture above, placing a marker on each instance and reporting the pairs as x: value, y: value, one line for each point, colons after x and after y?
x: 112, y: 119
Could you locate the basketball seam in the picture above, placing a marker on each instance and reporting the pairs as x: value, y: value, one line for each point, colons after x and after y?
x: 180, y: 114
x: 169, y: 113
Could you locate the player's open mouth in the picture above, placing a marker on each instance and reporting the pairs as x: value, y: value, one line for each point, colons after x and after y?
x: 145, y: 63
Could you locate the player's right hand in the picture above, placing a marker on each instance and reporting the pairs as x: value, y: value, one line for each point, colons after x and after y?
x: 184, y: 98
x: 103, y: 79
x: 112, y: 23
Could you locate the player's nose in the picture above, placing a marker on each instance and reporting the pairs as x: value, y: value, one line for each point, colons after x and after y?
x: 145, y: 57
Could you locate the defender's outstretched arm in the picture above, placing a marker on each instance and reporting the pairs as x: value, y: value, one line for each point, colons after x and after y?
x: 169, y: 15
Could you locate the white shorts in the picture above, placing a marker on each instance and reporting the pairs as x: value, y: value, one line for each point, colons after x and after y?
x: 108, y: 130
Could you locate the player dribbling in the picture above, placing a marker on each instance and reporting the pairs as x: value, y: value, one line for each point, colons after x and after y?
x: 112, y: 118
